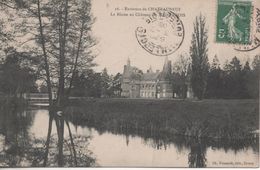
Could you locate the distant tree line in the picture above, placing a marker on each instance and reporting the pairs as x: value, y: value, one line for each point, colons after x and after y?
x: 92, y: 84
x: 230, y: 81
x: 193, y: 71
x: 89, y: 83
x: 19, y: 72
x: 234, y: 80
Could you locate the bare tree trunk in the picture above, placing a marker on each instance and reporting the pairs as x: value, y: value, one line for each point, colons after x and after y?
x: 48, y: 140
x: 60, y: 141
x: 72, y: 144
x: 47, y: 70
x: 62, y: 57
x: 76, y: 59
x: 60, y: 99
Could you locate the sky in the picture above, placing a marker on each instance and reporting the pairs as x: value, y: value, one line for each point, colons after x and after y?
x: 117, y: 40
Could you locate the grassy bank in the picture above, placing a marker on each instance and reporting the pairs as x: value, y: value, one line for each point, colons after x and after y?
x: 208, y: 118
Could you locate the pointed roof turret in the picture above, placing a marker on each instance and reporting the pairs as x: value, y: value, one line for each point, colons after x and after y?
x: 128, y: 61
x: 166, y: 60
x: 167, y: 70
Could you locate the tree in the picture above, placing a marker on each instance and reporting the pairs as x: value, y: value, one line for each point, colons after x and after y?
x: 62, y: 32
x: 180, y: 75
x: 233, y: 79
x: 18, y: 73
x: 215, y: 80
x: 88, y: 84
x: 69, y: 40
x: 215, y: 63
x: 256, y: 63
x: 116, y: 85
x: 78, y: 85
x: 105, y: 83
x: 247, y: 78
x: 199, y: 56
x: 253, y: 84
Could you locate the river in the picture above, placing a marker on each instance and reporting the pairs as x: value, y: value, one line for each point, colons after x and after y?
x: 110, y: 149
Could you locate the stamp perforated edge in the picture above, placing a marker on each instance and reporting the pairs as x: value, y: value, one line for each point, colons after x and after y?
x: 215, y: 27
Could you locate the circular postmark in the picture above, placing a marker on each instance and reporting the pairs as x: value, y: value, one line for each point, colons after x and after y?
x: 162, y: 33
x: 255, y: 42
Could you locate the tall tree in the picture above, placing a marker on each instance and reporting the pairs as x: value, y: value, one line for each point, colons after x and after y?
x: 105, y: 83
x: 180, y: 75
x: 215, y: 80
x: 199, y: 56
x: 247, y: 77
x: 233, y: 79
x: 62, y: 31
x: 254, y: 89
x: 45, y: 56
x: 63, y: 39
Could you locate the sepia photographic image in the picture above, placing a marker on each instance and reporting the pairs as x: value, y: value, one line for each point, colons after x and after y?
x: 129, y: 83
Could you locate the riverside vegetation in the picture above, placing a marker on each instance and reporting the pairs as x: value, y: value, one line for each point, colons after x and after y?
x: 229, y: 119
x: 197, y: 125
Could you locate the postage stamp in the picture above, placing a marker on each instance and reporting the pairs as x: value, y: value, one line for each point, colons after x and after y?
x: 255, y: 40
x: 162, y: 33
x: 234, y: 21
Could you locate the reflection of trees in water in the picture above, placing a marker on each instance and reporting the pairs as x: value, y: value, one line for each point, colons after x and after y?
x: 233, y: 137
x: 21, y: 149
x: 197, y: 146
x: 235, y: 145
x: 74, y: 149
x: 14, y: 126
x: 83, y: 155
x: 197, y: 155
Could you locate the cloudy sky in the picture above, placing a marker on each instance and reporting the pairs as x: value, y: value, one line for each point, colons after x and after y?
x: 117, y: 40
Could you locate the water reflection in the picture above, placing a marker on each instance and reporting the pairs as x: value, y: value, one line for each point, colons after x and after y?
x: 176, y: 151
x: 14, y: 124
x: 197, y: 155
x: 24, y: 141
x: 28, y: 138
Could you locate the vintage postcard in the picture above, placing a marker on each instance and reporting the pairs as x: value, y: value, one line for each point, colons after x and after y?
x: 129, y: 83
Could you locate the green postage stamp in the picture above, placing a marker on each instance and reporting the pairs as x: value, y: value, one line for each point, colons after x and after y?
x: 233, y: 21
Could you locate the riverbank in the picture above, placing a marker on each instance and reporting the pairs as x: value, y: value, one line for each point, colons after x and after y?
x: 229, y: 119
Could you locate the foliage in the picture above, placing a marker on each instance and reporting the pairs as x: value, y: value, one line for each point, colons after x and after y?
x: 180, y: 76
x: 18, y: 73
x: 234, y: 81
x: 31, y: 153
x: 216, y: 119
x: 215, y: 80
x: 116, y: 85
x: 199, y: 56
x: 92, y: 84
